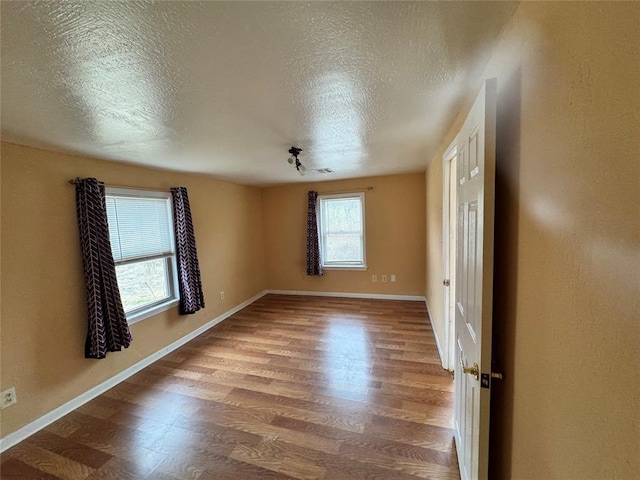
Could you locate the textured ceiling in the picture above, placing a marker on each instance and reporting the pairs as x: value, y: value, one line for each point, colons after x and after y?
x: 225, y: 88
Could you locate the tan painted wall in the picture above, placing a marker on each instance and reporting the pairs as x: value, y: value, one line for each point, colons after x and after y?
x: 43, y: 311
x: 567, y: 243
x: 395, y: 235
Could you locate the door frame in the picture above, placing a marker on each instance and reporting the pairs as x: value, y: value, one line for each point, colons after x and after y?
x: 449, y: 261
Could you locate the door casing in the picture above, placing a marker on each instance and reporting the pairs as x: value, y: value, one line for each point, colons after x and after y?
x: 449, y: 162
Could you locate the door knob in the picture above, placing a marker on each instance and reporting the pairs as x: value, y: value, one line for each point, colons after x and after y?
x: 446, y: 282
x: 475, y: 371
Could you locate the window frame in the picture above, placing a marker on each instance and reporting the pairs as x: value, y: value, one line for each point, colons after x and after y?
x: 322, y: 234
x: 171, y: 267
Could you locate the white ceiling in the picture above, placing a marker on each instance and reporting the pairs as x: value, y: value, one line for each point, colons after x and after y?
x: 225, y: 88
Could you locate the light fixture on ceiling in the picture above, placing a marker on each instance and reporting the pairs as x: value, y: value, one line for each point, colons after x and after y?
x: 293, y: 160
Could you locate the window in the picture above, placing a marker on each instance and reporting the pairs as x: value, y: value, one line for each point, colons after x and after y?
x: 141, y: 232
x: 342, y: 240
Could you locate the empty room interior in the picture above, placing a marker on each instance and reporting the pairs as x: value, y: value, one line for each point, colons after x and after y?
x: 320, y: 240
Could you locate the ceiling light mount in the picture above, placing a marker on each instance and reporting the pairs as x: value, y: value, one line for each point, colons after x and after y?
x: 293, y: 160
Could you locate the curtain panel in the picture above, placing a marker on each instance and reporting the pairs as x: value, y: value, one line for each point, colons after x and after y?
x: 314, y: 263
x: 189, y: 280
x: 108, y: 329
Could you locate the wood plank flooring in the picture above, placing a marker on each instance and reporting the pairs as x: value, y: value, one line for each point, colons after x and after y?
x: 288, y: 388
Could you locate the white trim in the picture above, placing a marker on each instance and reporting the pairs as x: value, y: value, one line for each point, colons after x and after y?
x: 378, y: 296
x: 15, y: 437
x: 153, y: 310
x: 447, y: 291
x: 321, y: 217
x: 436, y: 336
x: 136, y: 192
x: 346, y: 267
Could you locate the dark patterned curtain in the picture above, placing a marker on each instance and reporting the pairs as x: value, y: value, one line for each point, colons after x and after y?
x: 314, y: 264
x: 190, y: 283
x: 108, y: 330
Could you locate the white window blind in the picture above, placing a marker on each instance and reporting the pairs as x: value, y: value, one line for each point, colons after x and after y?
x: 139, y: 227
x: 141, y: 233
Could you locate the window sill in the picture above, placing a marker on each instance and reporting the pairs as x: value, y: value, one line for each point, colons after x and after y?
x: 362, y: 268
x: 153, y: 310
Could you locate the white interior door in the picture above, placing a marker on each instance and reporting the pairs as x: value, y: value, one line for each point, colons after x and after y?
x: 475, y: 146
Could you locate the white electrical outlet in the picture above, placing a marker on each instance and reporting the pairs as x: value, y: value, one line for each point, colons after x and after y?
x: 374, y: 278
x: 384, y: 279
x: 222, y: 295
x: 393, y: 278
x: 8, y: 397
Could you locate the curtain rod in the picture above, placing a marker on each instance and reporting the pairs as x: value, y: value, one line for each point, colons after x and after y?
x: 353, y: 190
x: 74, y: 181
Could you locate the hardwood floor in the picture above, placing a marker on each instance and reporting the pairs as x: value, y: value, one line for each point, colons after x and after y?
x: 288, y: 388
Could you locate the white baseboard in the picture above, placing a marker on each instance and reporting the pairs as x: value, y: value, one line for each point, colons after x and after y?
x: 377, y: 296
x: 435, y: 335
x: 57, y: 413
